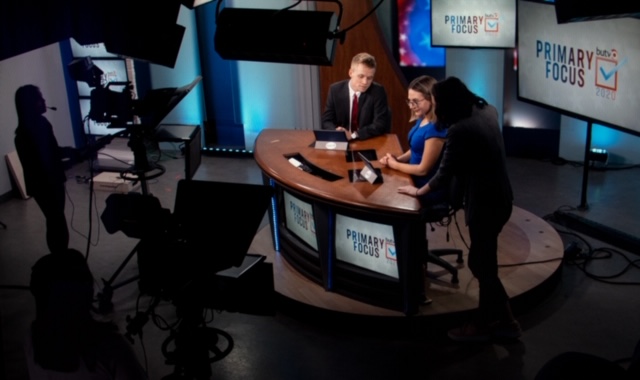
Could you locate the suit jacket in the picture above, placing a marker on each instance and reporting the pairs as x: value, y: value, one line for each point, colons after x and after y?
x: 474, y: 155
x: 374, y: 117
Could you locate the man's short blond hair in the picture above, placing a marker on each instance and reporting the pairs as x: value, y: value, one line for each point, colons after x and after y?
x: 365, y: 59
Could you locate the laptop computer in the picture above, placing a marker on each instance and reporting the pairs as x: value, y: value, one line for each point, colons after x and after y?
x: 331, y: 140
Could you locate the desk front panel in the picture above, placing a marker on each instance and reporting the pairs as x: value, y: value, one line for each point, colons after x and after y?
x: 354, y: 238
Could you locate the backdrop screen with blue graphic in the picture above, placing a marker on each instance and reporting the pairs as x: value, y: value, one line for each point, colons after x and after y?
x: 587, y: 69
x: 414, y: 35
x: 473, y: 23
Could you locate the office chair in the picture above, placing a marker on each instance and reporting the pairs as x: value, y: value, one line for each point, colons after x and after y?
x: 437, y: 213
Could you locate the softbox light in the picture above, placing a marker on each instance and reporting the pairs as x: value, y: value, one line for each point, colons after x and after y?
x: 145, y: 32
x: 269, y: 35
x: 136, y: 29
x: 160, y: 46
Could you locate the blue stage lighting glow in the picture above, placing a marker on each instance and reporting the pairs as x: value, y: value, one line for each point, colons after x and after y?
x: 604, y: 136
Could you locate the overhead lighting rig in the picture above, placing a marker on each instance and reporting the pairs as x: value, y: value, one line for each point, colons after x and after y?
x: 277, y: 35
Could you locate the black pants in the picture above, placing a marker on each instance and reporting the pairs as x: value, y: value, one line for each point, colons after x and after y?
x: 483, y: 263
x: 51, y: 202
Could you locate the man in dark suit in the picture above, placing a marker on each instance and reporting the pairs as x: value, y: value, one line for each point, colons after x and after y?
x: 371, y: 110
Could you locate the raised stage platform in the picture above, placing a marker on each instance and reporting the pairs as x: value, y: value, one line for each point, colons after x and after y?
x: 530, y: 257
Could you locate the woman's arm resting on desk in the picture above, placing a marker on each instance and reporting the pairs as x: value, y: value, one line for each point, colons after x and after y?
x: 414, y: 191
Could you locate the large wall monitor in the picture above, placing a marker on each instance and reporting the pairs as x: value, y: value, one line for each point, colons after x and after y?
x: 585, y: 69
x: 473, y: 23
x: 366, y: 244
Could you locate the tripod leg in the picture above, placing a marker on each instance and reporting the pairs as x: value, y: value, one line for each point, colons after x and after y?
x: 124, y: 263
x: 105, y: 305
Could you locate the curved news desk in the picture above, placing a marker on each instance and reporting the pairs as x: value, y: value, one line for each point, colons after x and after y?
x: 355, y: 238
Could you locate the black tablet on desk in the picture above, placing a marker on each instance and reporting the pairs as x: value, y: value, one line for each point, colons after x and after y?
x: 354, y: 155
x: 368, y: 173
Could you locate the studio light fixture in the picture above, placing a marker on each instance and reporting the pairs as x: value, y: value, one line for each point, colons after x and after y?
x: 277, y: 35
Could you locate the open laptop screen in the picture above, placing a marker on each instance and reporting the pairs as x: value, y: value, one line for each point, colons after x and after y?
x: 331, y: 139
x: 330, y: 135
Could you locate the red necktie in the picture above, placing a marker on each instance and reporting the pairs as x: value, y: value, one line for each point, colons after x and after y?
x: 354, y: 114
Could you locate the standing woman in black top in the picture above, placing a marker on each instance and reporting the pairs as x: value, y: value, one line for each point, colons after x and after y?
x: 42, y: 164
x: 474, y: 155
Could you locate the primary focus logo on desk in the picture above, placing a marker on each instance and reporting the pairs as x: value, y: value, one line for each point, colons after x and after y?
x: 300, y: 220
x: 366, y: 244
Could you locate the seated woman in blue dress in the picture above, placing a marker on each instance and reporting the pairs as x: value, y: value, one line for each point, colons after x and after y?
x: 426, y: 141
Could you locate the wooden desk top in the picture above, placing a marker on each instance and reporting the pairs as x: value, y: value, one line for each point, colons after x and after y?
x: 274, y: 146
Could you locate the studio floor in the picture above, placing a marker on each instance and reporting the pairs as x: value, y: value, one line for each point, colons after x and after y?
x: 593, y: 307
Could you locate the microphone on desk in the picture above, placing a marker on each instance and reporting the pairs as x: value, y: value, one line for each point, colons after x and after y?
x: 52, y: 108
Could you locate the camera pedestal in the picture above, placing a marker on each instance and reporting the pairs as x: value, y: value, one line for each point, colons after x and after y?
x: 196, y: 347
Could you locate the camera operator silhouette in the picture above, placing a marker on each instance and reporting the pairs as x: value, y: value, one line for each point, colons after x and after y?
x: 65, y: 341
x: 42, y: 163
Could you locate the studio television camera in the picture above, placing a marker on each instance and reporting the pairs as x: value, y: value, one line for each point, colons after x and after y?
x: 196, y: 258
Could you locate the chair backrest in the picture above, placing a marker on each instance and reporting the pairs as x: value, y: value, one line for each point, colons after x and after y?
x: 439, y: 211
x: 436, y: 212
x: 456, y: 194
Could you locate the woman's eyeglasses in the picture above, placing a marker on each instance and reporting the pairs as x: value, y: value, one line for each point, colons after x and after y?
x: 414, y: 103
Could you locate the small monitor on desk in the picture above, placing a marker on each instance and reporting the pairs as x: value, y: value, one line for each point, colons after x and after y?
x: 368, y: 173
x: 331, y: 140
x: 354, y: 155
